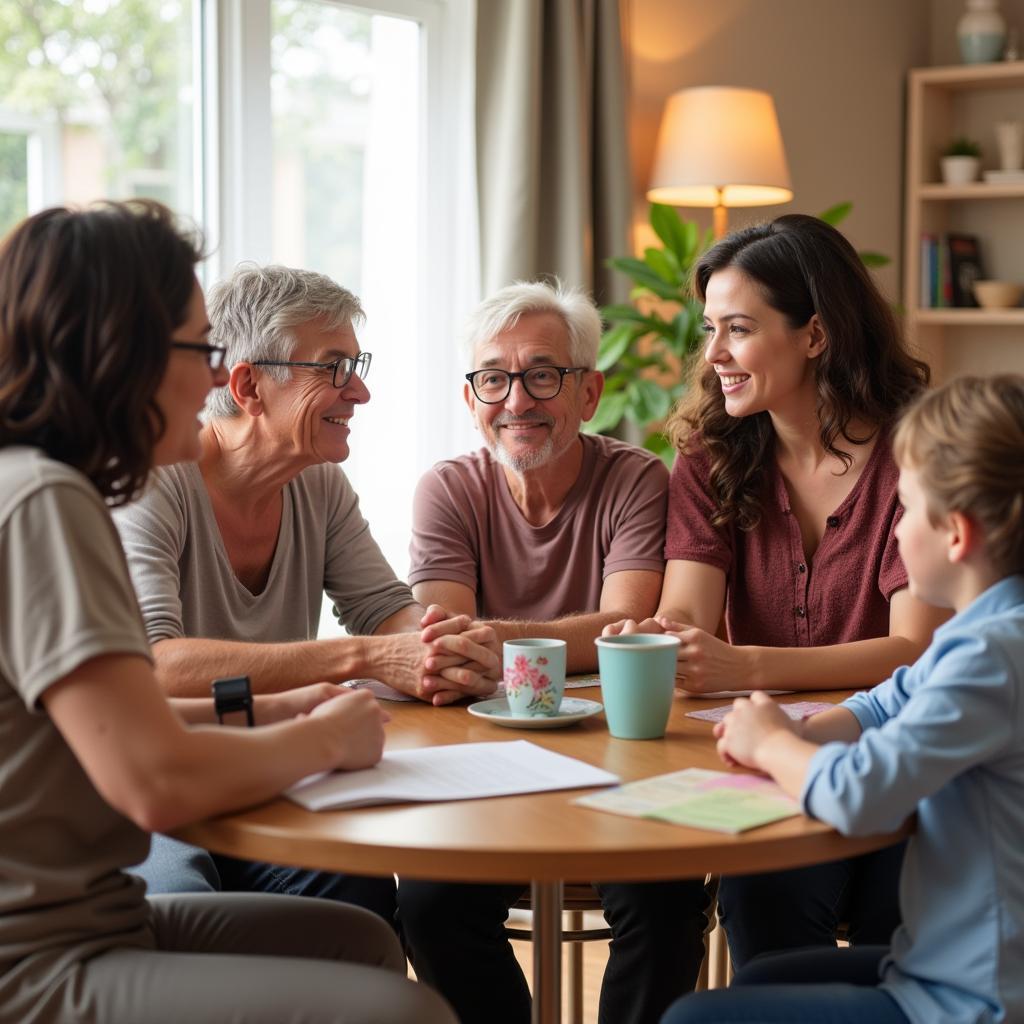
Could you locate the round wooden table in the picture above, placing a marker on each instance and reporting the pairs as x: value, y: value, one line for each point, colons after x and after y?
x: 540, y: 837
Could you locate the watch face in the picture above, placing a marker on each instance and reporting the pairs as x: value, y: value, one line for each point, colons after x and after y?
x: 234, y: 694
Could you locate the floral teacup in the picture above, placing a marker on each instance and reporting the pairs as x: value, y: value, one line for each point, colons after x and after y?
x: 534, y: 676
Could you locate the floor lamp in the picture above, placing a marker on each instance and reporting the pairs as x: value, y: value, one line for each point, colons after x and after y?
x: 720, y: 146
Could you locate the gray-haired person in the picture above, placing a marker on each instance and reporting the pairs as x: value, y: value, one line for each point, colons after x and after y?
x: 548, y: 532
x: 231, y: 555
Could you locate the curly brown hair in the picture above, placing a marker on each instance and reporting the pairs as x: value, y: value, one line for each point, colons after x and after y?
x: 803, y: 267
x: 89, y: 300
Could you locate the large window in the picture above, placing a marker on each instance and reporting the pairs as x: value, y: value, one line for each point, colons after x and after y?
x: 348, y: 126
x: 98, y: 100
x: 317, y: 133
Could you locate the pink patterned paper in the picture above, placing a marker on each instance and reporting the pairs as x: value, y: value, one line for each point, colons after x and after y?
x: 797, y: 710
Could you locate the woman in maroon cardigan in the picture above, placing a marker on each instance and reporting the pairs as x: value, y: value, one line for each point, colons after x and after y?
x: 782, y: 507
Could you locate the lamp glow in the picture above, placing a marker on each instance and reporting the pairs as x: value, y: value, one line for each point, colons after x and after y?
x: 720, y: 146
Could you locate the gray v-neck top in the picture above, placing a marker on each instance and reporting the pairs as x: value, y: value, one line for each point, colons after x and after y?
x: 187, y: 587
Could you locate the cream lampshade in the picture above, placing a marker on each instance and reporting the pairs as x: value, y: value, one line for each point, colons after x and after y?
x: 720, y: 146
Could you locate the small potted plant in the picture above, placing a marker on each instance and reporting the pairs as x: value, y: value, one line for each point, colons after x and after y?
x: 960, y: 162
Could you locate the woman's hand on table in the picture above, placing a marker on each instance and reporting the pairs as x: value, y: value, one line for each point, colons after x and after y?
x: 743, y: 732
x: 705, y: 664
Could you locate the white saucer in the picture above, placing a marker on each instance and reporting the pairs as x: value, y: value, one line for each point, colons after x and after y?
x: 573, y: 709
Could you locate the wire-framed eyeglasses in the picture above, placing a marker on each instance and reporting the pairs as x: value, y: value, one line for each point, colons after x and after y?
x: 540, y: 382
x: 341, y: 369
x: 215, y: 354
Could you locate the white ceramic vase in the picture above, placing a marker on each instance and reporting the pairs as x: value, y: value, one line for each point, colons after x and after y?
x: 981, y: 32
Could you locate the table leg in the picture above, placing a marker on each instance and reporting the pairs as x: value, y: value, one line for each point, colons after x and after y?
x: 546, y: 898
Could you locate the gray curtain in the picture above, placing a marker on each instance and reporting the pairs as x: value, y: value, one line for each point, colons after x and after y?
x: 552, y: 150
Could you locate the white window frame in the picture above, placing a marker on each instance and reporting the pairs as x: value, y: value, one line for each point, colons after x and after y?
x: 42, y: 144
x: 235, y: 184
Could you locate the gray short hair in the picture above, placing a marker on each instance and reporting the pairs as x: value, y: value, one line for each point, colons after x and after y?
x: 253, y: 311
x: 503, y: 310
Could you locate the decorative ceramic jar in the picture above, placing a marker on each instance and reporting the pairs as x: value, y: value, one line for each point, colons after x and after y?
x: 981, y: 32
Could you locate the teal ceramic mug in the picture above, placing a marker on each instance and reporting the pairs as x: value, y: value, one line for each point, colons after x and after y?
x: 638, y: 674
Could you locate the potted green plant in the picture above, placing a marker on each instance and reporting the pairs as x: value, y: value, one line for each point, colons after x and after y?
x: 648, y: 342
x: 960, y: 161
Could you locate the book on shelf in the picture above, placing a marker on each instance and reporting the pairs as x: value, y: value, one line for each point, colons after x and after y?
x: 950, y: 264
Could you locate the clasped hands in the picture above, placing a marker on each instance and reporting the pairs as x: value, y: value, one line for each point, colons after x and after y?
x: 458, y: 657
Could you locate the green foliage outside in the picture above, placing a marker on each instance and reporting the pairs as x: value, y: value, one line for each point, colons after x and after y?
x: 13, y: 179
x: 648, y: 344
x: 121, y: 72
x: 119, y: 65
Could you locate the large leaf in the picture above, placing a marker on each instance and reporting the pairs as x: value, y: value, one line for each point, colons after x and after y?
x: 682, y: 325
x: 645, y: 278
x: 648, y: 401
x: 614, y: 344
x: 692, y: 244
x: 670, y: 229
x: 622, y: 311
x: 609, y: 413
x: 659, y: 443
x: 664, y: 265
x: 836, y: 214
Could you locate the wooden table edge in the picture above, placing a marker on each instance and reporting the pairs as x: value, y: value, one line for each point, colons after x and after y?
x: 770, y: 848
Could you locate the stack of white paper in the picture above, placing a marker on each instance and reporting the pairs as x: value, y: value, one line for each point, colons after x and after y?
x: 462, y: 771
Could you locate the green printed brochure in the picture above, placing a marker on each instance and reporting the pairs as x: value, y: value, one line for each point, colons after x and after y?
x: 720, y: 801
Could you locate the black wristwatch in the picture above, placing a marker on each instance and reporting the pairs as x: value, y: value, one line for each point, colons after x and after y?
x: 230, y: 695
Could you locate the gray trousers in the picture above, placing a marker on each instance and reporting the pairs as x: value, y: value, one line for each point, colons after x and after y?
x: 232, y: 959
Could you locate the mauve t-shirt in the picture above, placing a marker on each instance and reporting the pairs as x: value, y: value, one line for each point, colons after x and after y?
x: 774, y: 596
x: 468, y: 529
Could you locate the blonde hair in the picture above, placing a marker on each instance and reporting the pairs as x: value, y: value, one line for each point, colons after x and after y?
x: 965, y: 441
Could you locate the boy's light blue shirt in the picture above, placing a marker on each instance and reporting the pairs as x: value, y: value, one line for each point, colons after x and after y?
x: 945, y: 737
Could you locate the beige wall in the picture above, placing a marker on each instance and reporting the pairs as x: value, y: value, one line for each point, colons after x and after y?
x: 836, y: 69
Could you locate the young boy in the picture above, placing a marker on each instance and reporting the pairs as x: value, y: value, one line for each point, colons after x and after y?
x: 944, y: 738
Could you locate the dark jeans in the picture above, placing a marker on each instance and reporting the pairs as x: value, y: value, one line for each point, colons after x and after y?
x: 456, y: 940
x: 173, y: 867
x: 803, y: 907
x: 817, y: 986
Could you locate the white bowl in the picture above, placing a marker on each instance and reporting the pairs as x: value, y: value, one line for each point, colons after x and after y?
x: 998, y: 294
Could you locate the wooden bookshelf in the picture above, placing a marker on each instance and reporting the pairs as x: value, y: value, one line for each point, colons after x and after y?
x: 943, y: 103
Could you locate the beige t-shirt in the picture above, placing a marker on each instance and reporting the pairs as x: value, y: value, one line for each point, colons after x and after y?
x: 187, y: 586
x: 65, y: 597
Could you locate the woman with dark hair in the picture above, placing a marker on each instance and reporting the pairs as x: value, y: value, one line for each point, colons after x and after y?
x: 104, y: 367
x: 782, y: 512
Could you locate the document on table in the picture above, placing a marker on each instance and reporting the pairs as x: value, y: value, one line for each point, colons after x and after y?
x: 462, y: 771
x: 720, y: 801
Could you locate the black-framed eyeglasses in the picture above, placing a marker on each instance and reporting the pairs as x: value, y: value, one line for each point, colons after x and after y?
x: 215, y: 354
x: 540, y: 382
x: 341, y: 369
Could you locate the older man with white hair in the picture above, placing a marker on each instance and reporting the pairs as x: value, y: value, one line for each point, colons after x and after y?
x: 553, y: 533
